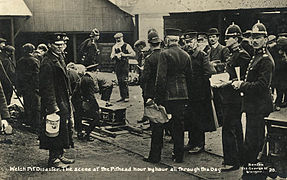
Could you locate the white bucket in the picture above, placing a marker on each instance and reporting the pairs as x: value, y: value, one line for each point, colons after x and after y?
x: 52, y: 125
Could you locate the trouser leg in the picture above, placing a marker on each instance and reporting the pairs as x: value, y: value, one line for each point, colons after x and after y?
x: 232, y: 136
x: 106, y: 94
x: 156, y: 141
x: 279, y: 97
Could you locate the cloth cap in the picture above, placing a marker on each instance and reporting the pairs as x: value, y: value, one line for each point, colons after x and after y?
x: 213, y: 31
x: 118, y: 35
x: 283, y: 34
x: 94, y: 32
x: 140, y: 43
x: 172, y: 32
x: 28, y: 48
x: 42, y: 47
x: 190, y: 34
x: 3, y: 40
x: 9, y: 48
x: 247, y: 33
x: 153, y: 37
x: 282, y: 41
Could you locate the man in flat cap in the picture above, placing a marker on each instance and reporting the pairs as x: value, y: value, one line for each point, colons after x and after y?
x: 201, y: 118
x: 89, y: 49
x: 121, y: 52
x: 148, y: 79
x: 27, y: 78
x: 7, y: 71
x: 55, y: 102
x: 85, y: 103
x: 173, y: 87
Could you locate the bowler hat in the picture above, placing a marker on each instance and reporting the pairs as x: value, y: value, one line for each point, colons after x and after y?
x: 28, y: 48
x: 213, y: 31
x: 172, y: 32
x: 118, y: 35
x: 153, y: 37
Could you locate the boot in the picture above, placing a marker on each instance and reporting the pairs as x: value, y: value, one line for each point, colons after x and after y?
x: 56, y: 163
x: 66, y: 160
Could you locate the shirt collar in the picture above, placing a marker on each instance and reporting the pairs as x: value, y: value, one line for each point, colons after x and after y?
x: 215, y: 45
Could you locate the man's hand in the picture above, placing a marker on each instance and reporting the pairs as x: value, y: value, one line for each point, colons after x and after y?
x: 236, y: 84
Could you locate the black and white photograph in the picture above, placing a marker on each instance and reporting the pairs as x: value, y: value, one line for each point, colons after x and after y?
x: 143, y: 89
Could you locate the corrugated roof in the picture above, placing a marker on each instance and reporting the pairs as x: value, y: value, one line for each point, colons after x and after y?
x: 14, y: 8
x: 177, y: 6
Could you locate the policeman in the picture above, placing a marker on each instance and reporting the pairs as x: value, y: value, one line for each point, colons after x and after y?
x: 172, y: 87
x: 121, y: 52
x: 27, y: 73
x: 257, y: 101
x: 232, y: 136
x: 89, y: 49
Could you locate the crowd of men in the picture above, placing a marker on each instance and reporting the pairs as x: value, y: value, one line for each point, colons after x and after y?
x: 174, y: 72
x: 177, y: 76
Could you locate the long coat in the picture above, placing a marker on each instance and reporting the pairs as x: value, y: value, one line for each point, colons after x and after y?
x: 200, y: 95
x: 27, y: 74
x: 89, y: 52
x: 256, y: 87
x: 4, y: 113
x: 148, y: 77
x: 55, y: 92
x: 173, y: 75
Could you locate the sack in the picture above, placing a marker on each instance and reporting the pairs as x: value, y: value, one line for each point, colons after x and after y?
x: 156, y: 114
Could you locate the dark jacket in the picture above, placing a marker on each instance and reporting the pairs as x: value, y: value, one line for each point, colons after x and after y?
x: 239, y: 58
x: 55, y: 93
x: 4, y: 113
x: 202, y: 71
x: 89, y: 52
x: 256, y: 87
x: 173, y: 75
x: 219, y: 53
x: 280, y: 74
x: 148, y: 76
x: 9, y: 67
x: 200, y: 95
x: 27, y: 74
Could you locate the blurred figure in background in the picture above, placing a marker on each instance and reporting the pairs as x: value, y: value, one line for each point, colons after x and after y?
x: 27, y: 73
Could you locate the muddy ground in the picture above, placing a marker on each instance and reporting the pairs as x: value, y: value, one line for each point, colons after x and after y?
x: 20, y: 157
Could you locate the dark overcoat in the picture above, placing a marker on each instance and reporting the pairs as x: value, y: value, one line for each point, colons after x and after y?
x: 173, y: 75
x: 148, y: 77
x: 4, y: 113
x: 200, y: 96
x: 55, y: 93
x: 219, y: 53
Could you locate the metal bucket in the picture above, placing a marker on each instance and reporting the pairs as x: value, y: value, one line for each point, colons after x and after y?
x: 52, y: 125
